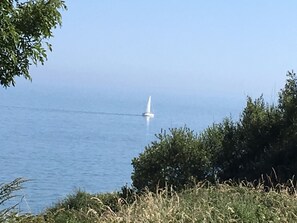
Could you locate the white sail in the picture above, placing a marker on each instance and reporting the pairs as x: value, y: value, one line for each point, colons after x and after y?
x: 148, y: 112
x: 148, y: 105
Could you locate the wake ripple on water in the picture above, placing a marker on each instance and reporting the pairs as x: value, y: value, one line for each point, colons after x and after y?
x: 71, y: 111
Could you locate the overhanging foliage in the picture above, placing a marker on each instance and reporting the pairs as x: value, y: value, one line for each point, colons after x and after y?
x: 25, y: 28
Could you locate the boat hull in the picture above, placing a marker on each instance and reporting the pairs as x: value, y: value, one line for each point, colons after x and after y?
x: 146, y: 114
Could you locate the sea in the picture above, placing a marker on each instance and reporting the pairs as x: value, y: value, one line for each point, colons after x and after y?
x: 68, y: 140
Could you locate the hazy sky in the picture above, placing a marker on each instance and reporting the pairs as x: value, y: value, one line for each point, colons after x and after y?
x: 190, y: 46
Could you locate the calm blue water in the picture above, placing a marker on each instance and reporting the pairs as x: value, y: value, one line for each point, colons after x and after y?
x: 64, y: 141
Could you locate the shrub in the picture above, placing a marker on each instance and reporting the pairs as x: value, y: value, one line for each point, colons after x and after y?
x: 174, y: 159
x: 246, y: 153
x: 264, y: 140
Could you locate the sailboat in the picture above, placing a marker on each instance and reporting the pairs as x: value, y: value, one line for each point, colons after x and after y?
x: 148, y: 112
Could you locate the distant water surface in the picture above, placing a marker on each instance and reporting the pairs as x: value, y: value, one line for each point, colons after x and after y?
x: 62, y: 142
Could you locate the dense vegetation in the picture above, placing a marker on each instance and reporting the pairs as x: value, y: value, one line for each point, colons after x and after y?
x: 202, y: 203
x: 262, y: 142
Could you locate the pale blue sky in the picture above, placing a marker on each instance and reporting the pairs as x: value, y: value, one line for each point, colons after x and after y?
x: 195, y: 47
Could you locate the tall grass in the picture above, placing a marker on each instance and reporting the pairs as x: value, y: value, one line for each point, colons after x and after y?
x: 7, y: 194
x: 224, y: 202
x: 221, y: 203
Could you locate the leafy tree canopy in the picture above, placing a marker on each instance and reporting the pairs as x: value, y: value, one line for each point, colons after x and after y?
x: 25, y: 28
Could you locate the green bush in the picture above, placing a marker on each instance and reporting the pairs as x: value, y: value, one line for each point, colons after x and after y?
x: 285, y: 157
x: 262, y: 142
x: 174, y: 159
x: 248, y: 144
